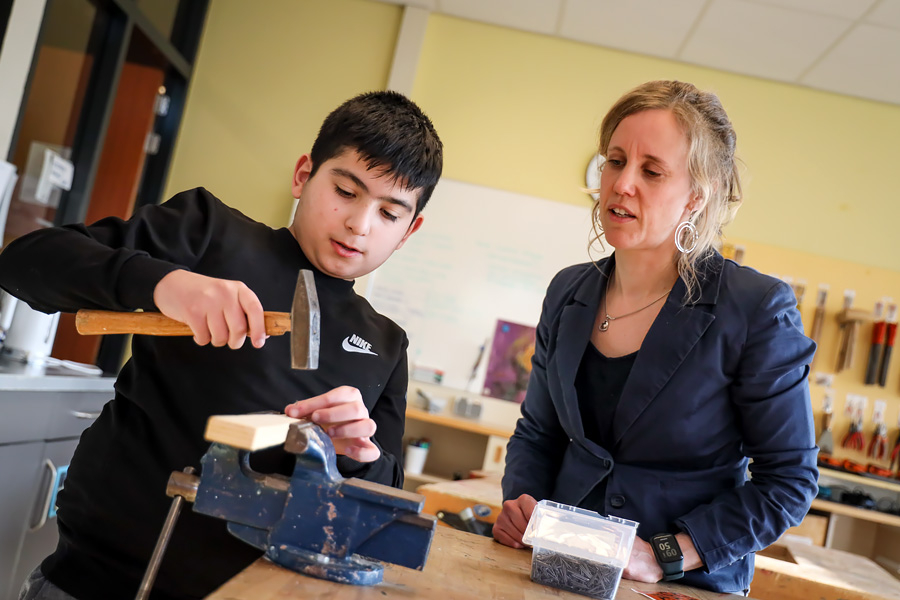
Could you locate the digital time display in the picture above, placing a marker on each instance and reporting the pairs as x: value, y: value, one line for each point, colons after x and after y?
x: 666, y: 549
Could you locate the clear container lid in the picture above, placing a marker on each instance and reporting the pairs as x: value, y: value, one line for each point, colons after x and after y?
x: 579, y: 532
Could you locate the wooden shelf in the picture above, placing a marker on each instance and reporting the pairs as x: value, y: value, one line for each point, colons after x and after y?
x: 860, y: 479
x: 446, y: 420
x: 836, y: 508
x: 425, y: 478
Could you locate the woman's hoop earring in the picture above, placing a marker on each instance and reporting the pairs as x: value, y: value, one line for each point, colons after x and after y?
x: 693, y: 236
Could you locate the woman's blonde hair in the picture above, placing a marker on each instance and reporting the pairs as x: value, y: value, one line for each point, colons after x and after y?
x: 712, y: 165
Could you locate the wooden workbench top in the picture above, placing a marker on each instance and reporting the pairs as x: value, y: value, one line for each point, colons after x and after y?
x: 461, y: 566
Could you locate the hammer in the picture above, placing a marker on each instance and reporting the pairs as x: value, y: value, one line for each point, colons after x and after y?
x: 304, y: 317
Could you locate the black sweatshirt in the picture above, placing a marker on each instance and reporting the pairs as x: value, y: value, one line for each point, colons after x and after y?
x: 114, y: 502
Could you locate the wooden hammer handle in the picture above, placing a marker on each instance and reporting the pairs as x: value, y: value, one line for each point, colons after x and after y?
x: 102, y: 322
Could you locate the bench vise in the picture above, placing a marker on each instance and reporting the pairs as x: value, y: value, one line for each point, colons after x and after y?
x: 315, y: 522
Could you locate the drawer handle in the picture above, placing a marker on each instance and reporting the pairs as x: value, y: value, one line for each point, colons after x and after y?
x: 54, y: 485
x: 80, y: 414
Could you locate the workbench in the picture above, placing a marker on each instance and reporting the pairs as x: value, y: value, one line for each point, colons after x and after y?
x: 461, y: 566
x: 786, y: 571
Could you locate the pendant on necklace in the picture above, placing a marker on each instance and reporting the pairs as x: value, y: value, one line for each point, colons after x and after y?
x: 604, y: 325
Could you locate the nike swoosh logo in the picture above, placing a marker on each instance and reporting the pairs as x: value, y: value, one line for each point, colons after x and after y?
x: 350, y: 348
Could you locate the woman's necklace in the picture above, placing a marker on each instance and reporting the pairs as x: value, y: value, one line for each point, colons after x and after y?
x: 605, y: 324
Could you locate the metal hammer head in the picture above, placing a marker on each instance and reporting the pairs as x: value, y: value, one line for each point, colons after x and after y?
x: 305, y: 323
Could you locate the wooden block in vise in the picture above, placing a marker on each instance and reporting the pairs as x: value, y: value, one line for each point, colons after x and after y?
x: 248, y: 432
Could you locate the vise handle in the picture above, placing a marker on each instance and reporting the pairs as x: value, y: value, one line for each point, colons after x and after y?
x: 182, y: 486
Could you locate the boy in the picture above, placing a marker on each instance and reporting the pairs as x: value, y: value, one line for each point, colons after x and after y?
x: 371, y: 170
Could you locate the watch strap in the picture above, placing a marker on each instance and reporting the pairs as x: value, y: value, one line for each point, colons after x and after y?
x: 672, y: 569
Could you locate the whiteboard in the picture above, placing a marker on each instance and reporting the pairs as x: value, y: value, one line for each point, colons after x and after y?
x: 481, y: 255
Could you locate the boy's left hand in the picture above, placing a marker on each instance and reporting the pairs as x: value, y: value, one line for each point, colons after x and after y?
x: 345, y: 418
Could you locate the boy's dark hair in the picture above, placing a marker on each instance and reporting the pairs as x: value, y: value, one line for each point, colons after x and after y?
x: 390, y: 133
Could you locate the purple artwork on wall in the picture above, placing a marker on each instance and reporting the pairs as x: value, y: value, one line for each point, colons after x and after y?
x: 509, y: 364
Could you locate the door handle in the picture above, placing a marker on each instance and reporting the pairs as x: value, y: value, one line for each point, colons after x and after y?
x: 54, y: 484
x: 80, y: 414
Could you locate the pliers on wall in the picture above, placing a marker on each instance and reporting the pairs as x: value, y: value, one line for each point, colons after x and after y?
x: 895, y: 454
x: 854, y: 438
x: 878, y: 446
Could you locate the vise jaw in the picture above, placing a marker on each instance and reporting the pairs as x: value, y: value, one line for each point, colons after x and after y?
x: 315, y: 522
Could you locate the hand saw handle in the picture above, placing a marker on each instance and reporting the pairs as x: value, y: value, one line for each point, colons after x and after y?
x: 102, y: 322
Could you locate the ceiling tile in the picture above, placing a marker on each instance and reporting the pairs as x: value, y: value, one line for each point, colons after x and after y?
x: 864, y: 64
x: 836, y: 8
x: 540, y: 16
x: 849, y: 47
x: 886, y: 14
x: 643, y: 26
x: 770, y: 42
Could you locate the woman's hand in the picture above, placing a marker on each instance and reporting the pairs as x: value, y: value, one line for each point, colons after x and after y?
x: 345, y: 418
x: 513, y: 520
x: 642, y: 565
x: 218, y: 311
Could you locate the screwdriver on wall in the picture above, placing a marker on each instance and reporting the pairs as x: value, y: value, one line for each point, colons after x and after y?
x: 878, y: 329
x: 889, y: 335
x: 818, y: 318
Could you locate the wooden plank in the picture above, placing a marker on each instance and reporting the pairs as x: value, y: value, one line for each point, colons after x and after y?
x: 424, y: 478
x: 248, y: 432
x: 457, y: 422
x: 800, y: 572
x: 461, y: 566
x: 858, y: 479
x: 865, y: 514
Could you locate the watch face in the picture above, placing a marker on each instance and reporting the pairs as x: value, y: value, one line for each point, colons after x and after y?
x: 666, y: 548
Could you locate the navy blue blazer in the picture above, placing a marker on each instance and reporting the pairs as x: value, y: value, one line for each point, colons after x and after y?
x: 715, y: 383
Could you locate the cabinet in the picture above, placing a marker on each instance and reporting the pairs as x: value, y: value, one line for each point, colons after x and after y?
x: 458, y: 444
x: 40, y: 535
x: 18, y: 464
x: 43, y: 417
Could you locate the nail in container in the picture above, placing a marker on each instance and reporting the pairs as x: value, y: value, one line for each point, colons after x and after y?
x: 578, y: 550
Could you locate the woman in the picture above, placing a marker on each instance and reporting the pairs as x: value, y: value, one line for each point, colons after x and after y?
x: 661, y: 370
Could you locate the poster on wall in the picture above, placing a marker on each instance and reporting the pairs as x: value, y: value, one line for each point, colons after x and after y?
x: 509, y: 363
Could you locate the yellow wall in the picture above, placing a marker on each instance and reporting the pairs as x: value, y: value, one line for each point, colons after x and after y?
x: 520, y: 111
x: 267, y: 74
x: 870, y: 284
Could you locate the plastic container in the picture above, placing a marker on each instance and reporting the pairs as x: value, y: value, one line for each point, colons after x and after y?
x: 578, y: 550
x: 414, y: 461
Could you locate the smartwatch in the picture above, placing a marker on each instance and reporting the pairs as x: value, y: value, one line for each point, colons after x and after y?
x: 668, y: 555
